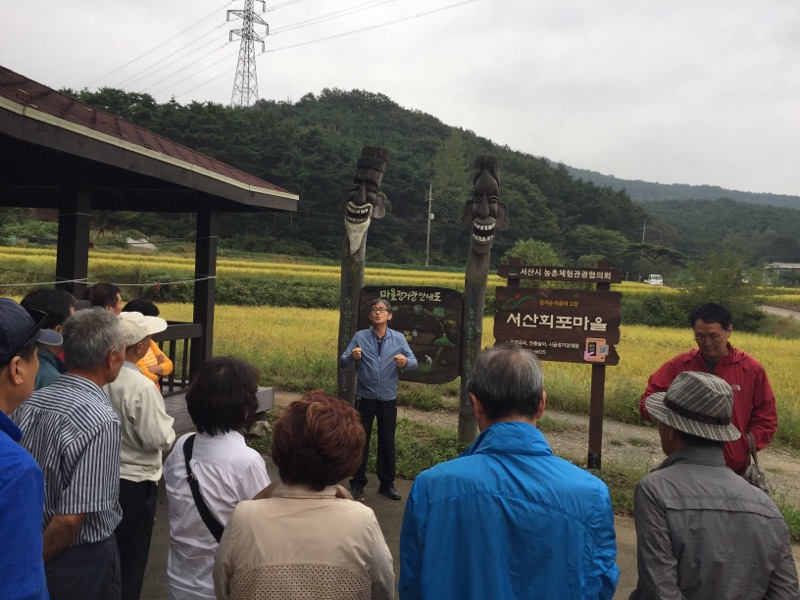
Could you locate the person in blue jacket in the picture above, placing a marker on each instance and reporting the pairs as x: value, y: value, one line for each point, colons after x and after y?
x: 380, y: 354
x: 508, y: 519
x: 21, y: 481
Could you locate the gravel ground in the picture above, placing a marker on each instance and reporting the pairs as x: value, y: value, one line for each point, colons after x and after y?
x: 633, y: 446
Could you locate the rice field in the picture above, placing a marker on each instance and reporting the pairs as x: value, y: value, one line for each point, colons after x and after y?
x: 295, y: 349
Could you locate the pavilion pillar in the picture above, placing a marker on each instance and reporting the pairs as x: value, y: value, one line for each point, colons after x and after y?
x: 205, y: 286
x: 72, y: 258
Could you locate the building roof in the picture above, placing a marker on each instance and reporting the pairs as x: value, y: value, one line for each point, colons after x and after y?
x: 44, y: 125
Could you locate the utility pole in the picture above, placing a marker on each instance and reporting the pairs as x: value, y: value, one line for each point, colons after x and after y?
x: 245, y: 84
x: 430, y: 217
x: 641, y: 256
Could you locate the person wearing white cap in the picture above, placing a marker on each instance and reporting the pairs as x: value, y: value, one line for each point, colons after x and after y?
x: 21, y: 480
x: 701, y: 530
x: 146, y: 432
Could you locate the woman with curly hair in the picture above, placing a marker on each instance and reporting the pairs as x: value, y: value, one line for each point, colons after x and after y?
x: 305, y: 537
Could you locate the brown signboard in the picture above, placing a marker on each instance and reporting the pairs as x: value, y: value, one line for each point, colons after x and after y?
x: 430, y: 319
x: 581, y: 274
x: 562, y: 325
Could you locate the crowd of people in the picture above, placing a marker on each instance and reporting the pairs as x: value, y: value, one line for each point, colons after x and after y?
x: 83, y: 429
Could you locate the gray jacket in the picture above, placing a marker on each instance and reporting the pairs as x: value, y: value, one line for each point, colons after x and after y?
x: 704, y: 532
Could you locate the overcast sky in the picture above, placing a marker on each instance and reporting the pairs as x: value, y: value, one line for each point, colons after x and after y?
x: 679, y: 91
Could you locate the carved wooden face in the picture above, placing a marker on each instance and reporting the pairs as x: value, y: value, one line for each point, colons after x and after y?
x: 484, y: 214
x: 363, y: 202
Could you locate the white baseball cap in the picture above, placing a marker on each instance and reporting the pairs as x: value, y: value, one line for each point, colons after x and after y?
x: 137, y: 326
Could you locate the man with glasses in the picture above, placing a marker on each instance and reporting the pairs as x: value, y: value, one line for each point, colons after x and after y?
x: 754, y: 409
x: 380, y: 355
x: 21, y: 481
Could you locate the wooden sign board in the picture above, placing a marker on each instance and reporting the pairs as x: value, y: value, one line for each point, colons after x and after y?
x: 430, y: 319
x: 581, y: 274
x: 561, y: 325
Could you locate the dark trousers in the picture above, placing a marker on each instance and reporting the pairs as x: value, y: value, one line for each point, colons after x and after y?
x: 385, y: 411
x: 85, y: 572
x: 138, y: 502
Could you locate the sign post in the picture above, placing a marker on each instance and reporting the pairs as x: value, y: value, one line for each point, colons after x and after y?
x: 579, y: 326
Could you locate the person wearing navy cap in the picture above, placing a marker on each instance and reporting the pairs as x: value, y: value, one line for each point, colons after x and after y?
x: 21, y: 481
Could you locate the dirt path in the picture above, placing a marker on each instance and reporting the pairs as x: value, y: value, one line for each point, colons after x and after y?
x: 632, y: 446
x: 781, y: 312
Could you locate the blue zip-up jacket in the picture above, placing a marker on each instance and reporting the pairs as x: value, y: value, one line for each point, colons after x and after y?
x: 377, y: 372
x: 508, y: 519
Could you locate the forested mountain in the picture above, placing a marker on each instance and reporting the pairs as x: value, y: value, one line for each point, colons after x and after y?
x: 310, y: 148
x: 644, y: 190
x: 756, y: 233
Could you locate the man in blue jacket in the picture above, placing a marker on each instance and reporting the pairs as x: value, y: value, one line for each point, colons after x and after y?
x: 380, y: 354
x: 508, y: 519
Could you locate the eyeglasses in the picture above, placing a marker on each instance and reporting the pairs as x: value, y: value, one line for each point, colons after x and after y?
x: 378, y: 309
x: 713, y: 337
x: 39, y: 317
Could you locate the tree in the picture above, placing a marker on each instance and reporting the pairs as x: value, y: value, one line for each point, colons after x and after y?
x: 533, y: 252
x: 586, y: 239
x: 451, y: 188
x: 723, y: 279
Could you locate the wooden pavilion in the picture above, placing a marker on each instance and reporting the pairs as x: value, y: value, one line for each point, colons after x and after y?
x: 60, y: 153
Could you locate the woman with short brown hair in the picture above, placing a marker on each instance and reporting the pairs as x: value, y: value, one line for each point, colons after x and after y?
x: 305, y: 537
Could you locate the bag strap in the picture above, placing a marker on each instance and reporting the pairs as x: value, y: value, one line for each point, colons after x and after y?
x: 753, y: 452
x: 213, y: 525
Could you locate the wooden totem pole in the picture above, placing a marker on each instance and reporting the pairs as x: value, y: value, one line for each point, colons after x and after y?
x: 363, y: 202
x: 483, y: 215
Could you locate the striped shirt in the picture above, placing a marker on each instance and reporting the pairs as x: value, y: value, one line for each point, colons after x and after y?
x: 73, y: 433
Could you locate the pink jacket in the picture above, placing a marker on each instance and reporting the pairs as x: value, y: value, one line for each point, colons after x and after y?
x: 753, y: 399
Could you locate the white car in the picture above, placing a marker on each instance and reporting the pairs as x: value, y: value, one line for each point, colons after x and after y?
x: 654, y: 279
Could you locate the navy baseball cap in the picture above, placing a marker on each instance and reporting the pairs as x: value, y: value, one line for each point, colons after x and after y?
x: 18, y: 328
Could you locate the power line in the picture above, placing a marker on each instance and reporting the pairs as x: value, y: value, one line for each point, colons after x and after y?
x: 226, y: 57
x: 370, y: 27
x: 332, y: 15
x: 176, y: 57
x: 130, y: 62
x: 340, y: 35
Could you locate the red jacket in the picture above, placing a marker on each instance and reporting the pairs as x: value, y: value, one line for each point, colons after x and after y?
x: 753, y: 399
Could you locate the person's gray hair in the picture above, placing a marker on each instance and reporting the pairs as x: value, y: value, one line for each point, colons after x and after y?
x: 508, y: 381
x: 89, y: 335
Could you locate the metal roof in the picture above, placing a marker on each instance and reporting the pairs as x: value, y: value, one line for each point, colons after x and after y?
x: 59, y: 134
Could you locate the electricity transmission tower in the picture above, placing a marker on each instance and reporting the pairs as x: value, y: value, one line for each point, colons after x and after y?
x: 245, y: 85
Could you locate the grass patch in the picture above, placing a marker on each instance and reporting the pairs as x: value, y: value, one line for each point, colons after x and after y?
x: 548, y: 425
x: 792, y: 517
x: 621, y: 483
x: 427, y: 397
x: 638, y: 442
x: 420, y: 446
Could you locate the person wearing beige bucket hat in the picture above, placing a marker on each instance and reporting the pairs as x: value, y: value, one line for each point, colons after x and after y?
x: 702, y: 531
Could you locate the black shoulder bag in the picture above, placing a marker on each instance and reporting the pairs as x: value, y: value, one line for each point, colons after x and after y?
x: 213, y: 525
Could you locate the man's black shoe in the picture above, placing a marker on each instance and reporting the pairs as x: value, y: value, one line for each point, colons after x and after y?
x: 390, y: 492
x: 357, y: 492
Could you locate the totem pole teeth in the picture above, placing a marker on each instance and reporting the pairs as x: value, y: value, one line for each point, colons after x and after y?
x: 483, y: 233
x: 357, y: 214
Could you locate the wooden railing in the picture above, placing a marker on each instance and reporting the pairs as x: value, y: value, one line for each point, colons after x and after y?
x: 176, y: 342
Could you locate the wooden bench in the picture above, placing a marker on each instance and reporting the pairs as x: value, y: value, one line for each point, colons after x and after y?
x: 176, y: 407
